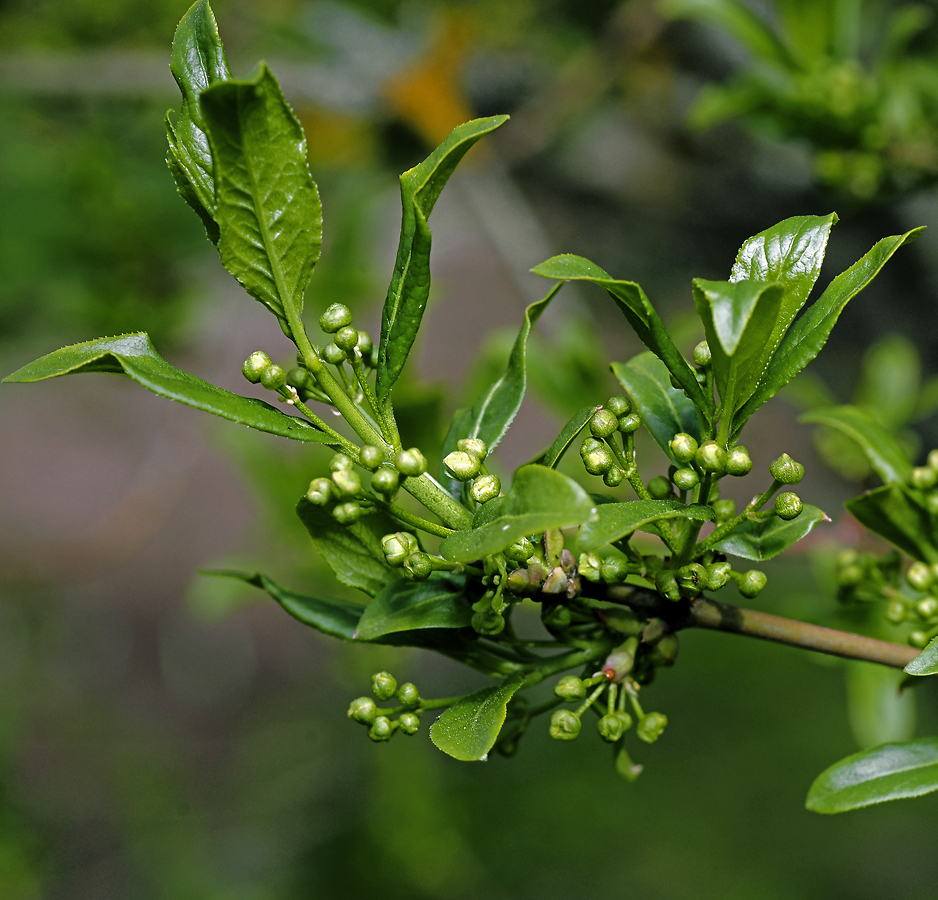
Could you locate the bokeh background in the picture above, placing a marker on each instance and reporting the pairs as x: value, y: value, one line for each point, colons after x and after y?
x: 168, y: 735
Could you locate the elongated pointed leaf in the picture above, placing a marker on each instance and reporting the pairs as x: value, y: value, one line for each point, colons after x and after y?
x: 881, y: 449
x: 134, y: 355
x: 266, y: 202
x: 410, y: 283
x: 888, y: 772
x: 577, y: 423
x: 926, y: 663
x: 539, y: 499
x: 809, y: 334
x: 439, y: 602
x: 897, y: 515
x: 768, y: 538
x: 468, y: 730
x: 353, y: 552
x: 639, y: 312
x: 664, y: 409
x: 198, y: 61
x: 618, y: 520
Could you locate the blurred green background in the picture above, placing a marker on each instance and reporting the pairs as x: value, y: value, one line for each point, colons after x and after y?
x: 166, y: 735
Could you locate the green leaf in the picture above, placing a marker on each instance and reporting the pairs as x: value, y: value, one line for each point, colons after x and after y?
x: 468, y: 729
x: 895, y: 514
x: 438, y: 602
x: 618, y: 520
x: 539, y: 499
x: 926, y: 663
x: 353, y: 552
x: 198, y: 61
x: 639, y: 312
x: 888, y: 772
x: 134, y: 355
x: 410, y: 283
x: 881, y: 449
x: 664, y: 409
x: 337, y: 618
x: 739, y: 319
x: 808, y: 335
x: 769, y: 537
x: 552, y: 456
x: 266, y: 202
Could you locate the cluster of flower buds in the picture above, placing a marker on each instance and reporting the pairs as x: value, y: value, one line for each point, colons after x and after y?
x: 925, y: 479
x: 381, y: 726
x: 347, y: 342
x: 258, y: 369
x: 467, y: 463
x: 598, y: 452
x: 547, y: 567
x: 342, y: 490
x: 696, y: 461
x: 401, y: 550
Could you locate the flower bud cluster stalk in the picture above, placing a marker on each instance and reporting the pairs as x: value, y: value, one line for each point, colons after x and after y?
x: 380, y: 722
x: 600, y: 453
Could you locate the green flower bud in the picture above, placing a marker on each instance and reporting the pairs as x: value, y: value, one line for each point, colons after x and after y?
x: 933, y: 459
x: 931, y: 503
x: 589, y: 566
x: 711, y: 458
x: 335, y: 317
x: 738, y: 462
x: 724, y: 510
x: 919, y: 639
x: 370, y: 457
x: 333, y: 354
x: 347, y: 483
x: 398, y: 546
x: 919, y: 576
x: 570, y: 688
x: 630, y: 423
x: 485, y: 488
x: 381, y: 729
x: 666, y: 585
x: 620, y: 662
x: 603, y: 423
x: 619, y: 405
x: 340, y: 463
x: 897, y: 612
x: 927, y: 607
x: 409, y: 722
x: 520, y: 551
x: 614, y: 477
x: 273, y: 377
x: 660, y: 488
x: 255, y: 366
x: 488, y: 622
x: 385, y: 481
x: 363, y: 710
x: 556, y: 616
x: 474, y: 447
x: 788, y: 506
x: 417, y: 566
x: 320, y: 491
x: 693, y: 577
x: 665, y: 652
x: 786, y: 470
x: 683, y: 447
x: 365, y: 343
x: 383, y: 685
x: 850, y: 576
x: 410, y: 462
x: 718, y: 575
x: 702, y: 354
x: 564, y: 725
x: 461, y: 465
x: 923, y: 477
x: 751, y: 583
x: 686, y: 479
x: 614, y: 570
x: 651, y: 726
x: 613, y: 725
x: 599, y: 461
x: 346, y: 339
x: 408, y: 694
x: 300, y: 379
x: 347, y: 513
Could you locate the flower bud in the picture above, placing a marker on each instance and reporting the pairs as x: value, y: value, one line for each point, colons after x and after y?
x: 786, y: 470
x: 383, y: 685
x: 693, y: 577
x: 619, y: 405
x: 474, y: 447
x: 346, y: 339
x: 333, y: 354
x: 335, y: 317
x: 738, y: 462
x: 520, y: 551
x: 711, y: 458
x: 417, y: 566
x: 666, y: 585
x: 599, y: 461
x: 564, y: 725
x: 788, y: 506
x: 320, y: 491
x: 488, y: 622
x: 363, y: 710
x: 718, y: 575
x: 614, y: 570
x: 919, y: 639
x: 410, y: 462
x: 365, y: 343
x: 724, y: 510
x: 897, y: 611
x: 340, y: 463
x: 683, y: 447
x: 589, y: 445
x: 651, y: 726
x: 408, y: 694
x: 614, y: 477
x: 273, y: 377
x: 613, y: 725
x: 660, y: 488
x: 370, y: 457
x: 556, y: 616
x: 630, y: 423
x: 381, y: 729
x: 347, y: 513
x: 620, y: 662
x: 919, y: 576
x: 603, y: 423
x: 255, y: 366
x: 686, y: 479
x: 485, y: 488
x: 461, y: 465
x: 300, y: 378
x: 665, y: 652
x: 385, y: 481
x: 927, y: 607
x: 933, y: 459
x: 409, y: 722
x: 702, y: 354
x: 347, y: 482
x: 570, y: 688
x: 751, y: 583
x: 397, y: 547
x: 923, y: 478
x: 589, y: 566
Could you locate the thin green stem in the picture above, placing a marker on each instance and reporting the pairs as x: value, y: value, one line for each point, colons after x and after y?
x: 345, y: 443
x: 409, y: 518
x: 368, y: 393
x: 721, y: 531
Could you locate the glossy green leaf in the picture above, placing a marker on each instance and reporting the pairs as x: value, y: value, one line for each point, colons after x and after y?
x: 664, y: 409
x: 895, y: 514
x: 134, y: 355
x: 468, y: 729
x: 926, y: 663
x: 198, y: 61
x: 878, y: 710
x: 410, y: 283
x: 769, y: 537
x: 888, y: 772
x: 639, y: 312
x: 618, y: 520
x: 439, y: 602
x: 353, y: 552
x: 881, y: 449
x: 577, y: 423
x: 539, y: 499
x: 266, y: 202
x: 808, y: 335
